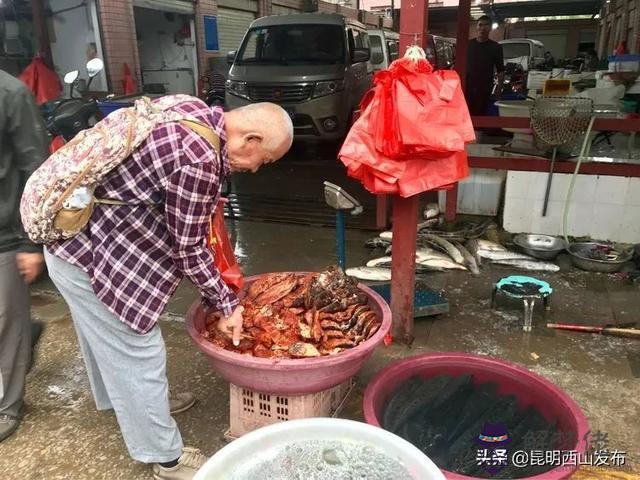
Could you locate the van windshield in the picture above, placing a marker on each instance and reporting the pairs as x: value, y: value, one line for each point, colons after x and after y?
x: 293, y: 44
x: 515, y: 50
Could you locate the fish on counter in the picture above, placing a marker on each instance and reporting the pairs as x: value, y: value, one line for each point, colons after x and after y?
x: 376, y: 274
x: 487, y: 245
x: 499, y: 255
x: 377, y: 261
x: 532, y: 265
x: 446, y: 245
x: 432, y: 210
x: 427, y: 260
x: 419, y: 269
x: 469, y: 260
x: 388, y: 235
x: 473, y: 248
x: 377, y: 242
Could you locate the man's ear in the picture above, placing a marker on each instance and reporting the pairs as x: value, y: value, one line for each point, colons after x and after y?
x: 253, y: 137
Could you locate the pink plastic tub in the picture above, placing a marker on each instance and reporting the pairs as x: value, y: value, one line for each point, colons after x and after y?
x: 289, y: 376
x: 531, y: 389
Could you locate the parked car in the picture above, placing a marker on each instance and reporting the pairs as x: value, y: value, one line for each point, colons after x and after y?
x: 524, y: 51
x: 385, y: 46
x: 316, y: 66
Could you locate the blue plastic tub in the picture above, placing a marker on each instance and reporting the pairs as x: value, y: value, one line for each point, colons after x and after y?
x: 109, y: 107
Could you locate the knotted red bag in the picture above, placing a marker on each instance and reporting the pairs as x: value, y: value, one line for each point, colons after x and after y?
x: 223, y: 257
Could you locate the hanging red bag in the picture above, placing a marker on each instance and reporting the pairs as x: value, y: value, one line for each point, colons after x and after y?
x: 41, y: 81
x: 223, y: 257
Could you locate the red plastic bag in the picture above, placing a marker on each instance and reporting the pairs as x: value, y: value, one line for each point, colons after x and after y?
x: 41, y: 81
x: 224, y: 259
x: 128, y: 83
x: 417, y: 110
x: 412, y: 133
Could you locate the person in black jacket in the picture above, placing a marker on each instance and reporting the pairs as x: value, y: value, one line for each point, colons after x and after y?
x: 23, y: 147
x: 484, y: 61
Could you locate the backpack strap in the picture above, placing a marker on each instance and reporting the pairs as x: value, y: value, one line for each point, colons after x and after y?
x: 204, y: 131
x: 200, y: 129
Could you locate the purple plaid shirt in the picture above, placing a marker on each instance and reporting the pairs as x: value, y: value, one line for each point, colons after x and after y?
x: 136, y: 255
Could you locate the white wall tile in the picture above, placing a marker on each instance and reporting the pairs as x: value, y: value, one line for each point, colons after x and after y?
x: 517, y: 215
x: 585, y: 189
x: 630, y: 228
x: 559, y: 187
x: 538, y: 185
x: 551, y: 223
x: 517, y: 185
x: 580, y: 219
x: 633, y: 192
x: 611, y: 190
x: 607, y: 221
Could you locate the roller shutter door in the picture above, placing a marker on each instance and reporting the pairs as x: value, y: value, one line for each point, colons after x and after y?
x: 232, y: 25
x: 176, y: 6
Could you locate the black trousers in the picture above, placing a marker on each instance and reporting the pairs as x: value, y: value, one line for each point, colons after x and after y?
x: 478, y: 97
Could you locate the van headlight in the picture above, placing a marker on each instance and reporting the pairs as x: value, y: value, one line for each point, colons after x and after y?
x: 238, y: 89
x: 327, y: 88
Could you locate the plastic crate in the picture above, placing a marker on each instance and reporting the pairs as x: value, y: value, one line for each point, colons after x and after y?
x: 109, y: 107
x: 250, y: 410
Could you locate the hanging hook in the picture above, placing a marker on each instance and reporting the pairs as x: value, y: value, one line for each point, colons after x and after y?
x: 415, y: 53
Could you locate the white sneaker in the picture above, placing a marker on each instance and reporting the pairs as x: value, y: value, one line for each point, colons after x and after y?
x: 189, y: 463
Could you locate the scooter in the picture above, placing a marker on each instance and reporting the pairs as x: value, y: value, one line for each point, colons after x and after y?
x: 211, y: 96
x: 66, y: 117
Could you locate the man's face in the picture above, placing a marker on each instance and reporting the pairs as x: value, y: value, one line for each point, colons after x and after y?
x: 484, y: 28
x: 246, y: 154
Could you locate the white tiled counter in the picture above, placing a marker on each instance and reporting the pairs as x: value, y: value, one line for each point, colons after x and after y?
x: 602, y: 207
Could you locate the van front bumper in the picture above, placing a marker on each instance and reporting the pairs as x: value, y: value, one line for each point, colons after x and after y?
x: 322, y: 118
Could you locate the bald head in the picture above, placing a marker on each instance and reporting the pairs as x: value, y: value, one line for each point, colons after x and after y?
x: 258, y: 133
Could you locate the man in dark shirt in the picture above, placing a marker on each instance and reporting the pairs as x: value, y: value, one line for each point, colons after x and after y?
x: 23, y: 147
x: 484, y: 58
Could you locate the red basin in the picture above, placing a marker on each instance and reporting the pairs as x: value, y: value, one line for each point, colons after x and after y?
x: 528, y: 387
x: 289, y: 376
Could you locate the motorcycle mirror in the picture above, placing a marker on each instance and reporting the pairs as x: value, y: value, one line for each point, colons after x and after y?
x: 94, y: 67
x: 71, y: 77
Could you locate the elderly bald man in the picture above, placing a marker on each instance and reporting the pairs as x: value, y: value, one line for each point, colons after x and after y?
x: 117, y: 275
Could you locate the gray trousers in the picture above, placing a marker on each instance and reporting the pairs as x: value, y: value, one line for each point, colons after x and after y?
x: 127, y: 371
x: 15, y: 335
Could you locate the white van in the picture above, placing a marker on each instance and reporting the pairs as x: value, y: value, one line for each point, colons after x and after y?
x: 384, y: 48
x: 524, y: 51
x: 314, y: 65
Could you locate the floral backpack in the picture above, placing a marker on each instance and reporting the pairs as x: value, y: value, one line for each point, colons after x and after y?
x: 58, y: 198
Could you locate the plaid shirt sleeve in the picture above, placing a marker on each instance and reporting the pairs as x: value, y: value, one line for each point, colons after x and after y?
x: 189, y: 201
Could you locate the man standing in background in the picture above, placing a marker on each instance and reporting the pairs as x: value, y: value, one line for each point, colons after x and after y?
x: 484, y: 60
x: 23, y: 145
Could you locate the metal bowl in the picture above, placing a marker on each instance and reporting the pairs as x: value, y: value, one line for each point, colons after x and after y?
x: 544, y: 247
x: 579, y: 258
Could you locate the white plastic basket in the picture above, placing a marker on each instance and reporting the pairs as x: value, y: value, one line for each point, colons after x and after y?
x: 250, y: 410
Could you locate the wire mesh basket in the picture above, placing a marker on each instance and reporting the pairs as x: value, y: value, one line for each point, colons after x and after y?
x: 559, y: 122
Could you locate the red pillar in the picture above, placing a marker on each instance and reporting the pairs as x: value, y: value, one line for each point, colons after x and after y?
x: 413, y: 26
x: 42, y: 32
x: 462, y: 44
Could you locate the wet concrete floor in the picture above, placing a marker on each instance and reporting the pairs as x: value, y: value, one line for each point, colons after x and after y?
x: 63, y: 437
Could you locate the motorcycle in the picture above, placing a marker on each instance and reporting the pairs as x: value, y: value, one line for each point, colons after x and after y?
x: 514, y: 79
x: 211, y: 95
x: 67, y: 116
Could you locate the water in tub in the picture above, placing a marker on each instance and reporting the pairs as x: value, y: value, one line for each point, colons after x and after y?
x: 322, y: 460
